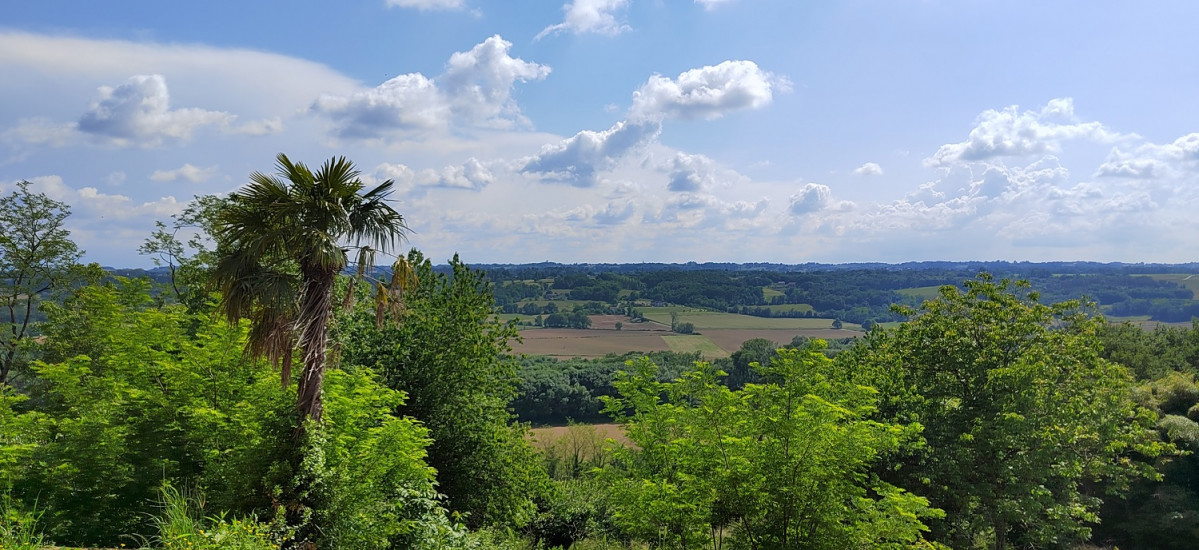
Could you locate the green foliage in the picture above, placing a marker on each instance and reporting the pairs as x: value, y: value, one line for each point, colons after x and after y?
x: 775, y: 465
x: 182, y: 526
x: 1151, y: 354
x: 1022, y: 415
x: 1172, y: 394
x: 364, y: 470
x: 1162, y: 515
x: 445, y: 351
x: 576, y: 510
x: 18, y: 526
x: 167, y: 395
x: 139, y: 396
x: 36, y: 256
x: 556, y: 391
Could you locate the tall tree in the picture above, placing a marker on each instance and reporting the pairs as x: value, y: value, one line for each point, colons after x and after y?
x: 282, y: 240
x: 450, y: 355
x: 1024, y: 420
x: 36, y: 255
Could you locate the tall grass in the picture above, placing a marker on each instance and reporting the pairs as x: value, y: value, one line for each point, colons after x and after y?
x: 182, y: 526
x: 18, y: 528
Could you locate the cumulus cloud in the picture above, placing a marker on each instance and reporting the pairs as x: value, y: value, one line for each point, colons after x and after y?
x: 589, y: 16
x: 140, y: 111
x: 813, y: 197
x: 187, y: 172
x: 406, y: 102
x: 706, y: 211
x: 611, y: 213
x: 471, y: 175
x: 691, y: 173
x: 868, y: 169
x: 1153, y: 161
x: 475, y: 89
x: 479, y: 82
x: 136, y: 112
x: 427, y: 5
x: 708, y: 92
x: 89, y: 205
x: 1012, y: 133
x: 577, y: 159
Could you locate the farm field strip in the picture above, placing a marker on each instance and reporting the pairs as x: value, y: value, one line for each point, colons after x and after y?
x: 690, y: 343
x: 708, y: 320
x: 713, y: 343
x: 921, y: 292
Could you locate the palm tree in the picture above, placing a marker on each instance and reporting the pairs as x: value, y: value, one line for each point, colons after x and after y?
x: 282, y: 240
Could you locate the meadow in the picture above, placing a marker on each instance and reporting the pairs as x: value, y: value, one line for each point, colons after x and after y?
x: 718, y: 334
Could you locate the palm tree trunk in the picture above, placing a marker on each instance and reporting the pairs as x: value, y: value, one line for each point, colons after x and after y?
x: 315, y: 309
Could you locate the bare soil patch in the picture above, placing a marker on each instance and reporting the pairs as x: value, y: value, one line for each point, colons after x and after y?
x: 566, y: 342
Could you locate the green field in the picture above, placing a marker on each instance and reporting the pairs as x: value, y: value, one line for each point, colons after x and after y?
x: 921, y: 292
x: 690, y: 343
x: 769, y: 293
x: 563, y: 305
x: 706, y: 320
x: 784, y: 308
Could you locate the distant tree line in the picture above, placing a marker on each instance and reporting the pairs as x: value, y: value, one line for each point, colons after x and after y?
x: 850, y: 295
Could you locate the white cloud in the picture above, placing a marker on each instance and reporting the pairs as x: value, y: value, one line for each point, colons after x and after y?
x: 90, y: 206
x: 577, y: 159
x: 813, y: 197
x: 41, y: 131
x: 261, y: 127
x: 691, y: 173
x: 589, y: 16
x: 868, y: 169
x: 139, y: 111
x: 187, y: 172
x: 471, y: 175
x: 1011, y: 133
x: 1153, y: 161
x: 479, y: 82
x: 708, y: 92
x: 427, y: 5
x: 406, y: 102
x: 136, y: 112
x: 474, y: 90
x: 611, y: 213
x: 710, y: 4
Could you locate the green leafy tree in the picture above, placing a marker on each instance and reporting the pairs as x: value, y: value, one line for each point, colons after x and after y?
x: 189, y: 263
x: 776, y: 465
x: 1023, y: 417
x: 144, y: 395
x: 447, y: 352
x: 36, y: 256
x: 282, y: 241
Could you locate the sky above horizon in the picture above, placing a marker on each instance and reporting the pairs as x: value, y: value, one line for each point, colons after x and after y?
x: 632, y: 130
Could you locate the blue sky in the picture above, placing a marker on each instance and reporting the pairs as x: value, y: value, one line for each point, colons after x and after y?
x: 632, y: 130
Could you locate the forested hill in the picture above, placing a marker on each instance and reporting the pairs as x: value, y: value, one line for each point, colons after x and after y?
x: 857, y: 293
x: 968, y: 266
